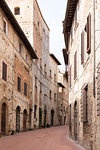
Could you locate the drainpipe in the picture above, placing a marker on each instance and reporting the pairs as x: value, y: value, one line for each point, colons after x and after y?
x: 94, y: 65
x: 94, y: 50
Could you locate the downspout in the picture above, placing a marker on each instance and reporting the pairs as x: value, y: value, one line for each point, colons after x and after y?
x: 94, y: 84
x: 94, y: 50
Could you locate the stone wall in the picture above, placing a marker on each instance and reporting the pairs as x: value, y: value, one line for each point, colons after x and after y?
x: 16, y: 65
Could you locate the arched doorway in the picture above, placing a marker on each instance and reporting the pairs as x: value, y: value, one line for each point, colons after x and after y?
x: 30, y: 117
x: 40, y: 117
x: 45, y: 116
x: 52, y: 117
x: 3, y: 118
x: 18, y: 119
x: 75, y: 120
x: 65, y: 120
x: 24, y: 119
x: 70, y: 120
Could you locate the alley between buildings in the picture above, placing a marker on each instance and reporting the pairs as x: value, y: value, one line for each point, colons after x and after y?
x: 54, y: 138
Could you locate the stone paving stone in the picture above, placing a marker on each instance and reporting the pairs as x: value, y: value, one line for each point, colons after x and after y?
x: 55, y: 138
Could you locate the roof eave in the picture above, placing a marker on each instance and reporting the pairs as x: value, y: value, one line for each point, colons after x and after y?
x: 56, y: 60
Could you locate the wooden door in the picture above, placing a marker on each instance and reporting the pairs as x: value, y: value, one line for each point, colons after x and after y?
x: 24, y: 119
x: 18, y: 119
x: 3, y: 118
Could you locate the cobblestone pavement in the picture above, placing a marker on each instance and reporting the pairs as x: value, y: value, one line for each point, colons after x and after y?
x: 55, y: 138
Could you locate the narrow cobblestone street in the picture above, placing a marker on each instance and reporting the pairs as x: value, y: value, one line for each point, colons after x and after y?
x: 55, y: 138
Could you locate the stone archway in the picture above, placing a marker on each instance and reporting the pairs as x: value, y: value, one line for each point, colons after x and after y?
x: 24, y: 120
x: 18, y: 119
x: 30, y: 118
x: 70, y: 120
x: 75, y: 120
x: 3, y: 118
x: 40, y: 117
x: 65, y: 120
x: 52, y: 117
x: 45, y: 117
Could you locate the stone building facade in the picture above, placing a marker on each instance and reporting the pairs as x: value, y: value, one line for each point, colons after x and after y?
x: 16, y: 55
x: 53, y: 97
x: 62, y: 105
x: 29, y: 97
x: 81, y: 32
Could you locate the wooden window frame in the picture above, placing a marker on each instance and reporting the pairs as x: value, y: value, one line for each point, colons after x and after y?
x: 70, y: 74
x: 75, y: 65
x: 88, y: 28
x: 84, y: 104
x: 82, y: 47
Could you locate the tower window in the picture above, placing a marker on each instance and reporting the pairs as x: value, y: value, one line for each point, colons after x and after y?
x: 5, y: 26
x: 17, y: 11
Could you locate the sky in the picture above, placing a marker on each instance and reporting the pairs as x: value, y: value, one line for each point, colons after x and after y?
x: 53, y: 12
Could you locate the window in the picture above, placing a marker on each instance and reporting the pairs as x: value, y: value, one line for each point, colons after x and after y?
x: 89, y: 33
x: 20, y: 48
x: 82, y: 47
x: 50, y: 94
x: 70, y: 73
x: 75, y: 65
x: 19, y: 84
x: 5, y: 26
x: 36, y: 82
x: 55, y: 77
x: 25, y: 88
x: 55, y: 96
x: 70, y: 119
x: 45, y: 69
x: 17, y: 11
x: 84, y: 104
x: 35, y: 109
x: 50, y: 74
x: 4, y: 71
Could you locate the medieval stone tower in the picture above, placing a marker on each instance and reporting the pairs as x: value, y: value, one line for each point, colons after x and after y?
x: 23, y: 11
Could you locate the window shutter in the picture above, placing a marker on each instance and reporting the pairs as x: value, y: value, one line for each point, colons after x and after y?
x: 84, y: 106
x: 70, y: 76
x: 74, y: 68
x: 4, y: 71
x: 76, y: 62
x: 82, y: 47
x: 4, y: 26
x: 81, y: 105
x: 25, y: 89
x: 89, y: 34
x: 19, y: 84
x: 75, y: 65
